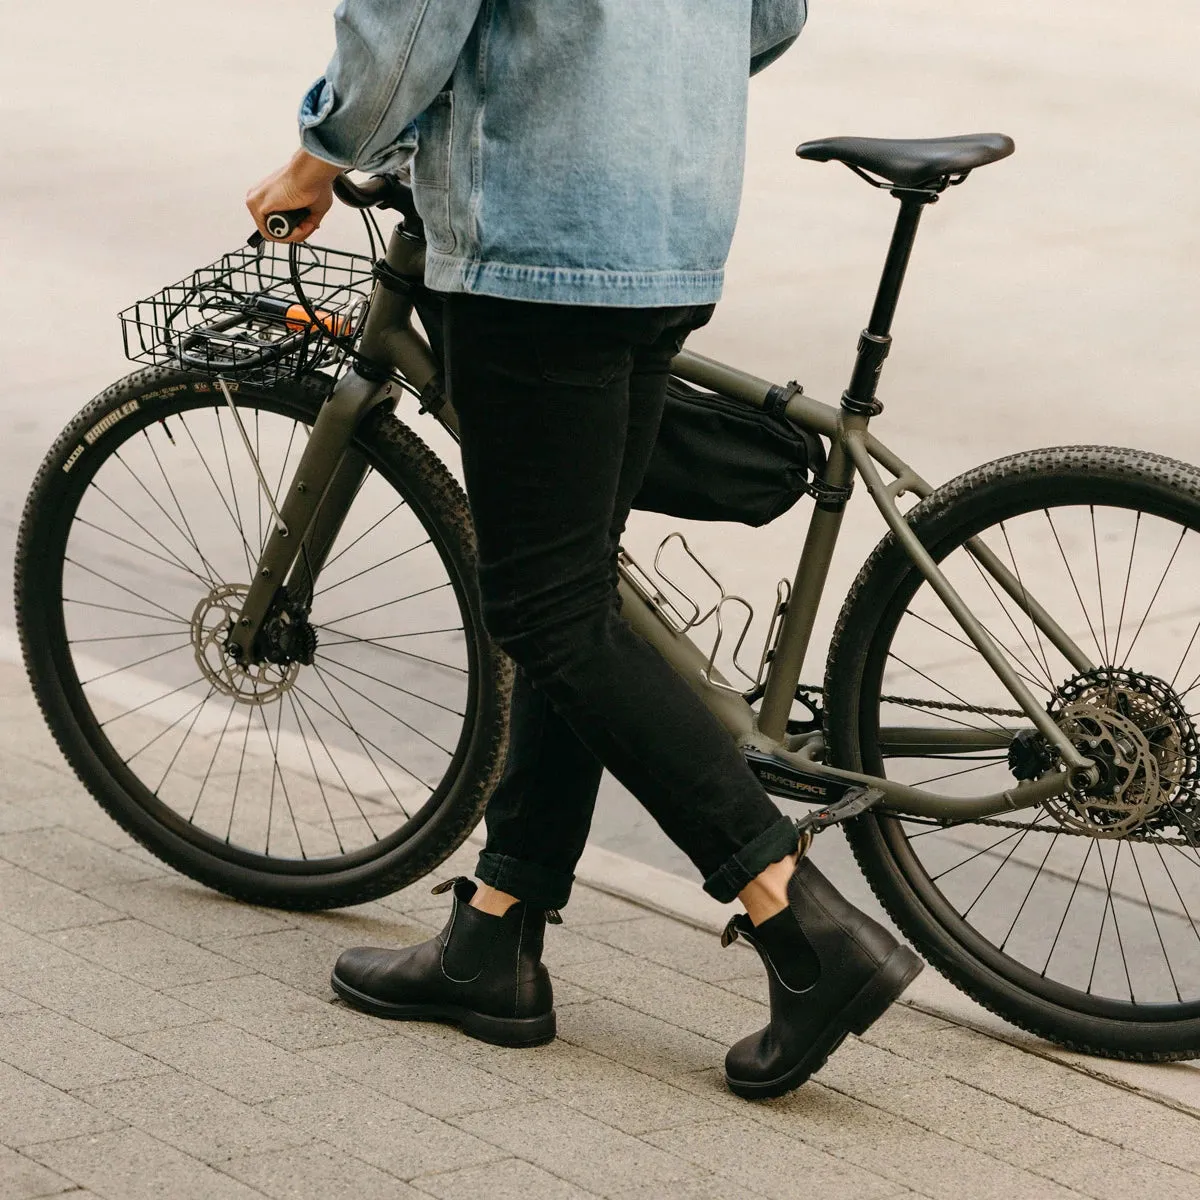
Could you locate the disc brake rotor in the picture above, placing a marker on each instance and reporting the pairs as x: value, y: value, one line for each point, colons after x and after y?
x: 212, y: 622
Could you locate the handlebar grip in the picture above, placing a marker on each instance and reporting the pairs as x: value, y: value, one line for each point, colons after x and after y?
x: 279, y: 225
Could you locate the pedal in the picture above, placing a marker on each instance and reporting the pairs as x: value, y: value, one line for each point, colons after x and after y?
x: 853, y: 804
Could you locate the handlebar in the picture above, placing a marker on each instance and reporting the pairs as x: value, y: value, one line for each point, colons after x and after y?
x: 279, y: 225
x: 380, y: 191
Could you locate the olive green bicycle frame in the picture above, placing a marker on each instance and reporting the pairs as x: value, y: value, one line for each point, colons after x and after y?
x: 330, y: 473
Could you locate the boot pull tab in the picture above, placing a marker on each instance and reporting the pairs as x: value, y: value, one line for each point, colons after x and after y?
x: 729, y: 934
x: 445, y: 885
x: 553, y: 916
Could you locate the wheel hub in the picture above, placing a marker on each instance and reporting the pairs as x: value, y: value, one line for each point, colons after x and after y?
x: 1139, y: 736
x: 252, y: 683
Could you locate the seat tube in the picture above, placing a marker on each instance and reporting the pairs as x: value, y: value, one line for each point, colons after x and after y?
x: 796, y: 632
x: 859, y: 404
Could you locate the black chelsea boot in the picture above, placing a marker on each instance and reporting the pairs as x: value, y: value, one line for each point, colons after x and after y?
x: 831, y: 970
x: 483, y: 973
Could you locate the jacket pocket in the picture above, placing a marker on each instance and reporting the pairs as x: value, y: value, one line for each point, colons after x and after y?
x: 431, y: 170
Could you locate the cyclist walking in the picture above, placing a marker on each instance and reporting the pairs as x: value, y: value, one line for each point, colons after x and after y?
x: 578, y: 172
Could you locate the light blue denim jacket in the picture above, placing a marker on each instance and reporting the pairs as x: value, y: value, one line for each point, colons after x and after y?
x: 569, y: 151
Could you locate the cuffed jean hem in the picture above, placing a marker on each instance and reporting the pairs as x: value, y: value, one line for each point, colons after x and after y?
x: 536, y: 885
x: 775, y: 842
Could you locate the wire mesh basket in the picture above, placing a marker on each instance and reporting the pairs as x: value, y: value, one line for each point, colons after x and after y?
x: 270, y: 314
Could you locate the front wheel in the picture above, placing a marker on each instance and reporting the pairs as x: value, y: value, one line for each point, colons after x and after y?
x: 1076, y: 919
x: 360, y: 756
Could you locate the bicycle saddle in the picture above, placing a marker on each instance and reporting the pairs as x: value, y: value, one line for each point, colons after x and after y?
x: 911, y: 162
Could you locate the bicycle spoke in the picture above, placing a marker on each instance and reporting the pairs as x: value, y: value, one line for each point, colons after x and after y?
x: 340, y: 718
x: 395, y: 687
x: 170, y: 558
x: 316, y: 774
x: 212, y: 761
x: 991, y: 762
x: 387, y: 604
x: 298, y: 704
x: 233, y: 492
x: 1099, y: 583
x: 1157, y: 931
x: 368, y: 570
x: 220, y: 495
x: 350, y: 640
x: 1070, y: 901
x: 365, y: 743
x: 277, y: 773
x: 121, y: 587
x: 971, y: 858
x: 1016, y: 662
x: 375, y: 704
x: 948, y: 691
x: 146, y: 703
x: 174, y: 757
x: 1154, y: 598
x: 1020, y: 670
x: 369, y: 530
x: 1111, y: 907
x: 237, y: 786
x: 1037, y: 634
x: 1074, y: 585
x: 166, y: 729
x: 1178, y: 895
x: 1137, y: 524
x: 141, y: 661
x: 437, y: 662
x: 1000, y: 867
x: 187, y: 536
x: 1029, y: 891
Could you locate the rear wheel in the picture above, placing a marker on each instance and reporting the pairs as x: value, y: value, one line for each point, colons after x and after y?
x: 300, y: 784
x: 1078, y: 919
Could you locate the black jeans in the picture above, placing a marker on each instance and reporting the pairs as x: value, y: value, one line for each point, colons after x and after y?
x: 559, y: 407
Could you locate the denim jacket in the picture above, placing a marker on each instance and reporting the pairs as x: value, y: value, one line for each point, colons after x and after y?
x: 567, y: 151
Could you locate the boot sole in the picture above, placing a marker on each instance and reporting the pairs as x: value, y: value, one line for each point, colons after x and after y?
x: 873, y: 999
x: 499, y: 1031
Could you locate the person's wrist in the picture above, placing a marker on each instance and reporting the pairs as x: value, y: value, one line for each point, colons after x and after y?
x: 312, y: 169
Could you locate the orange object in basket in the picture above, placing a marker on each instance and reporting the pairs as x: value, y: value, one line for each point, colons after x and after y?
x: 298, y: 319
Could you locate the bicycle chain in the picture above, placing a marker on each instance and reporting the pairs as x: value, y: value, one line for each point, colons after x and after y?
x: 999, y: 822
x: 944, y: 705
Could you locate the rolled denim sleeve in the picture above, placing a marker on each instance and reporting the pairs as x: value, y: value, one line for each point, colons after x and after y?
x: 392, y: 58
x: 774, y: 26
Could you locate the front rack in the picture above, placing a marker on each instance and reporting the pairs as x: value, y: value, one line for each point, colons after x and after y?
x: 269, y: 314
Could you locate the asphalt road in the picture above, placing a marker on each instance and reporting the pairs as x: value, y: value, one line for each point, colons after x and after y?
x: 1051, y: 299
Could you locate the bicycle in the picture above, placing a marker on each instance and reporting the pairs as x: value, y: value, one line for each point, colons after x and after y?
x: 229, y: 704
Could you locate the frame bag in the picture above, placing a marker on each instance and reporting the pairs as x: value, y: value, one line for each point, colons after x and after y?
x: 717, y: 459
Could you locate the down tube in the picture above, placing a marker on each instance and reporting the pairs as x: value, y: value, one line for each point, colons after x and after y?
x: 688, y: 660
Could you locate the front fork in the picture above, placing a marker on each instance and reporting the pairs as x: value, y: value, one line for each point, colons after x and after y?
x: 330, y: 471
x: 312, y: 511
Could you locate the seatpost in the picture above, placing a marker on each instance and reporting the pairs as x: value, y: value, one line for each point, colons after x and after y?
x: 833, y: 487
x: 876, y: 339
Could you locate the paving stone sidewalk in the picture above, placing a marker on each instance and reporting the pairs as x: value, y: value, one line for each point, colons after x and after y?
x: 158, y: 1040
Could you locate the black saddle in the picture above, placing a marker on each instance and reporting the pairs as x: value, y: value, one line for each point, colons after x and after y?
x: 912, y: 162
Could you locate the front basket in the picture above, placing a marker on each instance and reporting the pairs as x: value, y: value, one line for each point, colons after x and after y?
x: 243, y: 315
